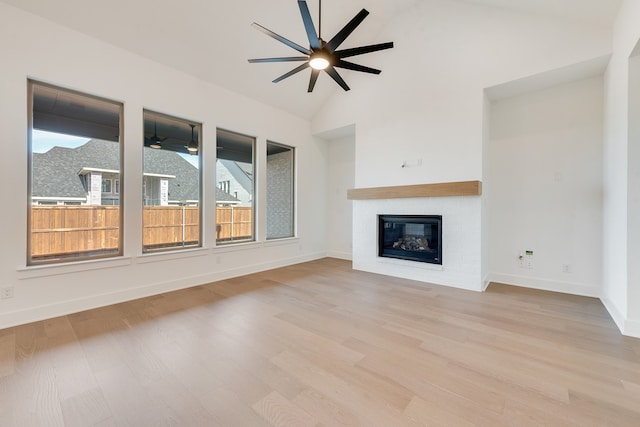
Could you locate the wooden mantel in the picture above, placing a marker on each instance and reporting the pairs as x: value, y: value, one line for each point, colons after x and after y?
x: 441, y: 189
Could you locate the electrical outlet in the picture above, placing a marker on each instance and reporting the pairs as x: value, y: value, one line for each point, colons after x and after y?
x: 521, y: 259
x: 528, y: 260
x: 566, y: 268
x: 6, y: 293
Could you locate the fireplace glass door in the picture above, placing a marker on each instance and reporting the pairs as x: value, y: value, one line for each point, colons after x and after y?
x: 411, y: 237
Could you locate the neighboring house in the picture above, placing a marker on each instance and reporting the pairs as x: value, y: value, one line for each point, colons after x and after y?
x: 236, y: 179
x: 89, y: 175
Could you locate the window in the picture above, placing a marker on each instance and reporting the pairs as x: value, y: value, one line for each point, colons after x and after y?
x: 74, y: 145
x: 226, y: 187
x: 280, y: 203
x: 171, y: 183
x: 235, y: 219
x: 106, y: 185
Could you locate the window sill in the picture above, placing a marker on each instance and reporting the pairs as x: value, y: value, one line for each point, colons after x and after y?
x: 35, y: 271
x: 71, y: 267
x: 170, y: 255
x: 282, y: 241
x: 234, y: 247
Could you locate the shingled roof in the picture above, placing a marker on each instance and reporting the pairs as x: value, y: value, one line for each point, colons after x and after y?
x: 56, y: 172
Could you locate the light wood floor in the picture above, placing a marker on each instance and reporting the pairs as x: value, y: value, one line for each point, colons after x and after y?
x: 318, y: 344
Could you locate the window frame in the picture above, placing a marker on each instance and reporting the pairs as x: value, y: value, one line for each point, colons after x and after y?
x: 176, y: 248
x: 30, y: 262
x: 254, y: 186
x: 294, y: 217
x: 109, y: 186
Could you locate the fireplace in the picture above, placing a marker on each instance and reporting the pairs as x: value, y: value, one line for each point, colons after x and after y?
x: 410, y: 237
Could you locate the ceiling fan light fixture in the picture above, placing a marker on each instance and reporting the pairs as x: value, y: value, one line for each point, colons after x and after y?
x: 193, y: 145
x: 318, y: 61
x: 155, y: 140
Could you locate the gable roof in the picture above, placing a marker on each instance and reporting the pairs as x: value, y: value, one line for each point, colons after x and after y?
x: 185, y: 186
x: 241, y: 172
x: 56, y: 173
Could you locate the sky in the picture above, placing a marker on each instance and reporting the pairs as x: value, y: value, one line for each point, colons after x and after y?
x: 43, y: 141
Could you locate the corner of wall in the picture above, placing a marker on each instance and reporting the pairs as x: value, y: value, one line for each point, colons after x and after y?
x: 614, y: 312
x: 347, y: 256
x: 628, y: 327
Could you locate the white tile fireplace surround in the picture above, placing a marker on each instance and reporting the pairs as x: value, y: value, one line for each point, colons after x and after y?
x: 461, y: 239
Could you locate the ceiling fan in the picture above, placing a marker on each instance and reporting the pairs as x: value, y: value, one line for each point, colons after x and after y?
x: 323, y: 55
x: 155, y: 141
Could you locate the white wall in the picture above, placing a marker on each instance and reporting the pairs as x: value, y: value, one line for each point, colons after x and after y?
x: 545, y: 169
x: 633, y: 180
x: 31, y: 47
x: 486, y: 192
x: 341, y: 175
x: 621, y: 289
x: 428, y: 103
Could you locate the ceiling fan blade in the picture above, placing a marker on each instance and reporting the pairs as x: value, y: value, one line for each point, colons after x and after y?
x: 345, y: 53
x: 312, y: 35
x: 283, y: 59
x: 282, y: 39
x: 313, y: 79
x: 335, y: 76
x: 292, y: 72
x: 356, y: 67
x: 346, y: 30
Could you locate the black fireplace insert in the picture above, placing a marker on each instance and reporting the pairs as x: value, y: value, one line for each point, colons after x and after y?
x: 411, y: 237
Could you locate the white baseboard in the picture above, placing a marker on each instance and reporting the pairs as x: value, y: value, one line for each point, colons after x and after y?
x: 626, y: 326
x: 340, y: 255
x: 632, y: 328
x: 615, y: 313
x: 545, y: 285
x: 34, y: 314
x: 486, y: 280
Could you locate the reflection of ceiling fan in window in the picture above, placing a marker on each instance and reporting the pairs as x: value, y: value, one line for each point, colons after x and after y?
x: 178, y: 134
x: 154, y: 141
x: 323, y: 55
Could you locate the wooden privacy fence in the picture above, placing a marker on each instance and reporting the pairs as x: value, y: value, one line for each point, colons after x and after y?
x: 65, y: 230
x: 233, y: 223
x: 57, y: 230
x: 168, y: 226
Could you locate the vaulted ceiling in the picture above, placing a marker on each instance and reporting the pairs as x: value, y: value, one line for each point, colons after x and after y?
x: 212, y: 39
